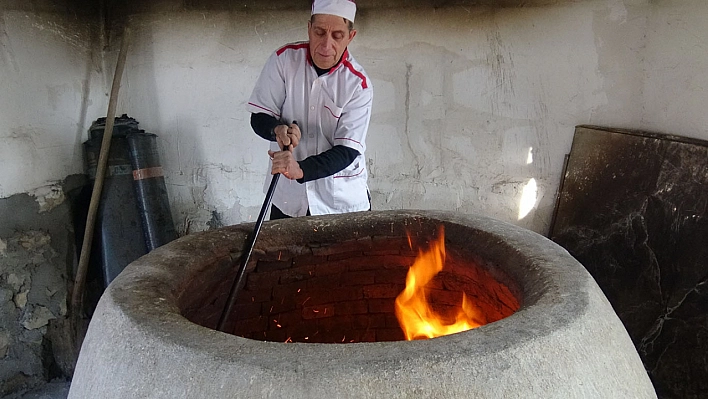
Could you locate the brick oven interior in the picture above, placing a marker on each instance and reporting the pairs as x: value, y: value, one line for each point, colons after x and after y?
x: 580, y: 120
x: 344, y: 292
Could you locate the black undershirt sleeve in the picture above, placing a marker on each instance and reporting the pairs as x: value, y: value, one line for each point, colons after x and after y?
x: 263, y: 124
x: 327, y: 163
x: 314, y: 167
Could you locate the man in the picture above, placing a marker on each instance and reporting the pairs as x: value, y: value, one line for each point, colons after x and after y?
x: 314, y: 100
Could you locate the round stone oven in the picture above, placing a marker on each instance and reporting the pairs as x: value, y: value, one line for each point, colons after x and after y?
x: 315, y: 317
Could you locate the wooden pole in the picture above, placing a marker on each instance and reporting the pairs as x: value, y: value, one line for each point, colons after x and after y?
x: 80, y: 280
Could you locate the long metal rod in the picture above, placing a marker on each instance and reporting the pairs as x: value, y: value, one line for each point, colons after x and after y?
x: 233, y: 293
x: 81, y: 271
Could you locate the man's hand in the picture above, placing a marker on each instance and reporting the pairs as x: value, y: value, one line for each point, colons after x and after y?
x: 287, y: 136
x: 284, y: 162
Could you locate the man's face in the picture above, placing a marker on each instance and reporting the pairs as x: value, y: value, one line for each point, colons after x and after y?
x: 329, y: 37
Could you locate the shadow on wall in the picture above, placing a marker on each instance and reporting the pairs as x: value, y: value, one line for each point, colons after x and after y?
x: 149, y: 97
x: 93, y: 65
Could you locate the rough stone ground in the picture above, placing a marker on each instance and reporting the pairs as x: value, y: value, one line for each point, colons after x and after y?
x: 52, y: 390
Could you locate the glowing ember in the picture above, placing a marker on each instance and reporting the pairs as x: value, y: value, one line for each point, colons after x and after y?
x: 416, y: 317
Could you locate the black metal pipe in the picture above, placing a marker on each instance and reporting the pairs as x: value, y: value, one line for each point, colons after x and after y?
x: 233, y: 293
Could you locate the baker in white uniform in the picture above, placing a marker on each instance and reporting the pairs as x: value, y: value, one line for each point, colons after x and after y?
x: 314, y: 98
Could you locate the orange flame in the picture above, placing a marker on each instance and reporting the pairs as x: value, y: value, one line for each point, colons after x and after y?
x: 416, y: 317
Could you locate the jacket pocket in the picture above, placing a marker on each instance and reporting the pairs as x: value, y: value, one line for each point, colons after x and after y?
x: 355, y: 169
x: 329, y: 117
x: 350, y: 188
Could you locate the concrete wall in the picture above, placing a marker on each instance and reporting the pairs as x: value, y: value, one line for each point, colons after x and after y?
x: 51, y: 86
x: 474, y: 105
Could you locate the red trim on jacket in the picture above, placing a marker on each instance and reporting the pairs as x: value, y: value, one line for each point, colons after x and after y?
x: 357, y: 73
x: 343, y: 176
x: 330, y: 111
x: 296, y: 46
x: 342, y: 61
x: 345, y: 55
x: 347, y: 138
x: 292, y: 46
x: 346, y: 63
x: 265, y: 109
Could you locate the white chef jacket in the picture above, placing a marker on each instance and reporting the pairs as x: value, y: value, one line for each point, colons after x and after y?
x: 332, y: 109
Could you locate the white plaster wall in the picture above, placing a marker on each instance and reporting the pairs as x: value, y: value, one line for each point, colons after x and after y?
x: 471, y: 103
x: 187, y: 79
x: 480, y: 104
x: 50, y: 85
x: 675, y: 92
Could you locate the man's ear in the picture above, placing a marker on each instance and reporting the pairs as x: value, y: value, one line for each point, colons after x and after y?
x: 352, y: 33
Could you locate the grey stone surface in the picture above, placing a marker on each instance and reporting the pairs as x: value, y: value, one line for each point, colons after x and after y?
x: 633, y: 211
x: 24, y: 317
x: 564, y: 342
x: 51, y: 390
x: 36, y: 257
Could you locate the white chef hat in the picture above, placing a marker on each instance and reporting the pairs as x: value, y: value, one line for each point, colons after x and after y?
x: 341, y: 8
